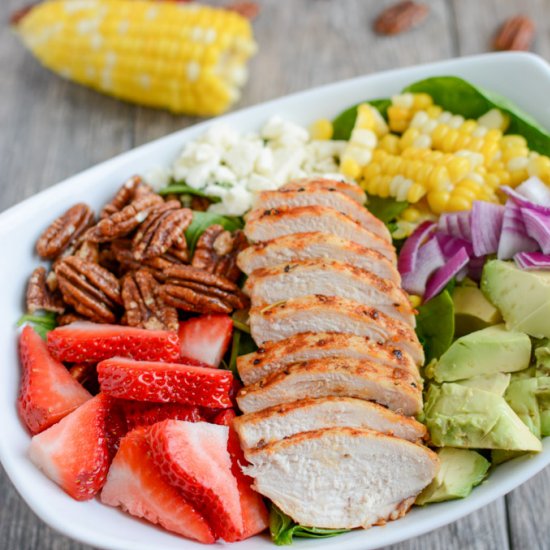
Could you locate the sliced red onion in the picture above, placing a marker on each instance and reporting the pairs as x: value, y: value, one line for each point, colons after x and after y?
x: 451, y: 245
x: 514, y: 237
x: 521, y: 200
x: 406, y: 262
x: 532, y: 260
x: 535, y: 190
x: 475, y: 267
x: 537, y: 226
x: 429, y: 259
x: 486, y: 221
x: 456, y: 224
x: 444, y: 274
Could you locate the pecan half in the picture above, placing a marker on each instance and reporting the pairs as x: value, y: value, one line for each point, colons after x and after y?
x: 192, y: 289
x: 143, y: 304
x: 88, y: 251
x: 217, y: 250
x: 90, y: 289
x: 39, y: 296
x: 86, y: 375
x: 132, y: 189
x: 64, y: 231
x: 516, y: 33
x: 69, y: 317
x: 400, y: 17
x: 164, y: 226
x: 120, y: 224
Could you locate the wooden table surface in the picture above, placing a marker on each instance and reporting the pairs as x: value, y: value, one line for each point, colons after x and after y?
x: 51, y: 129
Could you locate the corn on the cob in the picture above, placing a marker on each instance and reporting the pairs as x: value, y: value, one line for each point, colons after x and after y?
x: 187, y: 58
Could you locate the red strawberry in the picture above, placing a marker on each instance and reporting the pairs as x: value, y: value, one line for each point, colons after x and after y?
x: 206, y: 338
x: 194, y: 458
x: 139, y: 414
x: 136, y: 485
x: 254, y: 511
x: 165, y: 382
x: 90, y: 342
x: 48, y: 391
x: 75, y: 452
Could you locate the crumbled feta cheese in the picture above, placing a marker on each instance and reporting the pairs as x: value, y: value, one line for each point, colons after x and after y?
x: 158, y: 177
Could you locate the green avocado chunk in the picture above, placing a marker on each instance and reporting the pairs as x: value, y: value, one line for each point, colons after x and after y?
x: 523, y: 297
x: 493, y: 349
x: 494, y: 383
x: 472, y: 310
x: 460, y: 471
x: 466, y: 417
x: 521, y: 395
x: 543, y: 399
x: 542, y: 356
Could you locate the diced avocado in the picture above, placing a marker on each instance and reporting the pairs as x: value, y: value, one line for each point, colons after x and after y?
x: 472, y: 310
x: 542, y: 356
x: 465, y: 417
x: 521, y: 395
x: 493, y: 349
x: 460, y: 471
x: 498, y: 456
x: 494, y: 383
x: 523, y: 297
x: 543, y: 399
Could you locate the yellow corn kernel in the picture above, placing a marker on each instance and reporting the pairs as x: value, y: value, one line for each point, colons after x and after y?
x: 371, y: 170
x: 350, y: 168
x: 422, y: 101
x: 415, y: 300
x: 438, y: 178
x: 411, y: 214
x: 513, y: 140
x: 408, y: 138
x: 390, y: 143
x: 468, y: 126
x: 458, y: 167
x: 437, y: 201
x: 539, y: 166
x: 470, y: 184
x: 457, y: 203
x: 321, y: 129
x: 369, y: 118
x: 415, y: 193
x: 399, y: 118
x: 433, y: 111
x: 493, y: 134
x: 464, y: 192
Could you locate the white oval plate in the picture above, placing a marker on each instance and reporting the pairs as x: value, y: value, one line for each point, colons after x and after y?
x: 523, y: 78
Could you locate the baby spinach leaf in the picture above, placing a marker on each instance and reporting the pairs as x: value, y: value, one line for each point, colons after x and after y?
x: 41, y: 323
x: 435, y: 325
x: 462, y: 98
x: 181, y: 188
x: 241, y: 345
x: 203, y: 220
x: 343, y: 124
x: 283, y: 529
x: 386, y: 210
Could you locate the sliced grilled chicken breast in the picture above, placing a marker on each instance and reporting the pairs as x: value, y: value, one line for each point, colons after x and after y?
x: 305, y: 246
x: 316, y: 313
x: 393, y: 388
x: 275, y: 356
x: 323, y: 197
x: 352, y: 190
x: 342, y: 477
x: 264, y: 225
x: 329, y: 278
x: 260, y: 428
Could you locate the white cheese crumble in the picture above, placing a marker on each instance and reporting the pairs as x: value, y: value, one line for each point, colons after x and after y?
x: 233, y: 166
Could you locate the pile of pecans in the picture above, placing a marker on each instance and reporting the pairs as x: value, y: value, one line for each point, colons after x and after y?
x: 132, y: 266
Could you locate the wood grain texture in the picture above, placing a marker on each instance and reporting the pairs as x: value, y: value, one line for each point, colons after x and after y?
x: 51, y: 129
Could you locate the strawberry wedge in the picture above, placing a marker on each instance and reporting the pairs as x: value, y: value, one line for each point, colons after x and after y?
x: 92, y: 342
x: 254, y: 511
x: 139, y: 414
x: 193, y: 457
x: 165, y: 382
x: 206, y: 338
x: 136, y: 485
x: 48, y: 391
x: 75, y: 452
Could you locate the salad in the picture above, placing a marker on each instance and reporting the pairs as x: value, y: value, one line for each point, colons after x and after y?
x: 306, y: 330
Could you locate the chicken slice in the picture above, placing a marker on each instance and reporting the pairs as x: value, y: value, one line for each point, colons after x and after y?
x: 342, y: 478
x: 352, y: 190
x: 275, y: 356
x: 329, y: 278
x: 264, y: 225
x: 305, y: 246
x: 260, y: 428
x: 394, y: 388
x: 317, y: 313
x: 323, y: 197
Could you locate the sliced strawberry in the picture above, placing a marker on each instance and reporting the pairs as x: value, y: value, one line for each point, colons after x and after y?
x: 91, y: 342
x: 165, y: 382
x: 136, y: 485
x: 194, y: 458
x: 48, y: 392
x: 75, y: 452
x: 206, y: 338
x: 254, y: 511
x: 138, y: 413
